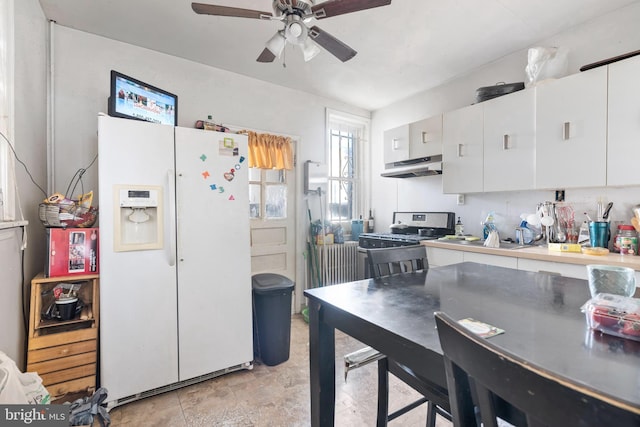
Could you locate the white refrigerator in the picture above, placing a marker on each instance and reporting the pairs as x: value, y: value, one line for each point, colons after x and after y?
x: 175, y: 279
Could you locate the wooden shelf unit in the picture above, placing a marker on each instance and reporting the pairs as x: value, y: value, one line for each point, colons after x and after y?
x: 64, y: 353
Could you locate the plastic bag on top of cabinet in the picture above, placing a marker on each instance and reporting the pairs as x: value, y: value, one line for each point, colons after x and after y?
x: 546, y: 63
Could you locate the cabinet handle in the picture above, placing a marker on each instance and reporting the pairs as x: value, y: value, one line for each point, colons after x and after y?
x: 170, y: 248
x: 505, y: 142
x: 425, y: 137
x: 395, y: 144
x: 566, y: 131
x: 459, y: 150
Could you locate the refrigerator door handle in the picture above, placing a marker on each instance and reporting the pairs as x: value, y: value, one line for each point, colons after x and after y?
x: 171, y: 223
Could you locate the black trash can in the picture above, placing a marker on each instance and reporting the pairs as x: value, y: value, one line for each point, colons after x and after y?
x: 271, y: 317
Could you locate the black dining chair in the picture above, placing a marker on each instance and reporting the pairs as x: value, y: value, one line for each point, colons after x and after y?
x: 401, y: 259
x: 486, y: 382
x: 384, y: 262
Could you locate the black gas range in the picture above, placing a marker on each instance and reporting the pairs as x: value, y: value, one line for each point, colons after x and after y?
x: 409, y: 228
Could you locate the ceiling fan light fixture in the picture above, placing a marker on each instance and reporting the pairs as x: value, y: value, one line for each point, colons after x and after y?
x: 309, y: 50
x: 276, y: 43
x: 296, y: 32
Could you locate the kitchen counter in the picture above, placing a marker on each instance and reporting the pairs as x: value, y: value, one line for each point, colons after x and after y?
x: 541, y: 253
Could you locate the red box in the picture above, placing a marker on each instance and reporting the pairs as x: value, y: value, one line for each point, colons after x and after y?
x: 71, y: 251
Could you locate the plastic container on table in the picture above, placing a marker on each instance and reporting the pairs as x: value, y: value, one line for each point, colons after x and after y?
x: 614, y: 315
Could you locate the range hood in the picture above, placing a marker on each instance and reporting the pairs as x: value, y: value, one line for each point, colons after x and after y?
x: 422, y: 166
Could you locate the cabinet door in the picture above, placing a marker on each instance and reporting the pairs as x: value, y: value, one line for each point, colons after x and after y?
x: 396, y: 144
x: 509, y: 142
x: 425, y: 137
x: 571, y: 126
x: 438, y: 257
x: 624, y: 122
x: 462, y: 152
x: 499, y: 260
x: 568, y: 270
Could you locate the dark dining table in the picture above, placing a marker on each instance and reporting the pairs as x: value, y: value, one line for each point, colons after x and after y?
x: 539, y: 312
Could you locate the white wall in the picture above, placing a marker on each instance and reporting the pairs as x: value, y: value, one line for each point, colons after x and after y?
x: 30, y: 113
x: 82, y: 66
x: 605, y: 37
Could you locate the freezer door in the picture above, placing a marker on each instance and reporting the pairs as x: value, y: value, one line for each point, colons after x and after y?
x: 214, y: 264
x: 138, y: 312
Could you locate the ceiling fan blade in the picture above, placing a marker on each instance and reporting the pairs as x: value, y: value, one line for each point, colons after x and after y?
x: 266, y: 56
x: 331, y: 8
x: 210, y: 9
x: 332, y: 44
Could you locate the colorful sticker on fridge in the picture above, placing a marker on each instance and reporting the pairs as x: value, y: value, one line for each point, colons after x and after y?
x: 205, y: 174
x: 203, y: 157
x: 221, y: 190
x: 230, y: 175
x: 231, y: 197
x: 228, y: 147
x: 241, y: 159
x: 213, y: 186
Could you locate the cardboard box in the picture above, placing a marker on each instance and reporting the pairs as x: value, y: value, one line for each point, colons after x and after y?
x: 71, y: 251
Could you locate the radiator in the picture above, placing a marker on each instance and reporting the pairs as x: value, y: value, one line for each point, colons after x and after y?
x: 337, y: 263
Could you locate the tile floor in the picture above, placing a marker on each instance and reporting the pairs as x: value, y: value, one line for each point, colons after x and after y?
x: 273, y: 395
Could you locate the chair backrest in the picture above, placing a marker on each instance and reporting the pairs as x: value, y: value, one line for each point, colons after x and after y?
x: 402, y: 259
x: 482, y: 379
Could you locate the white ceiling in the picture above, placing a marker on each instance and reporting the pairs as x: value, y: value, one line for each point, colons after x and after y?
x: 404, y: 48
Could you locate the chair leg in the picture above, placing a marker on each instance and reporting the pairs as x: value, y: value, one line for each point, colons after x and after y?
x: 383, y: 392
x: 431, y: 414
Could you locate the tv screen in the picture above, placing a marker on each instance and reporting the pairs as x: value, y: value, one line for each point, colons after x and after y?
x: 132, y: 99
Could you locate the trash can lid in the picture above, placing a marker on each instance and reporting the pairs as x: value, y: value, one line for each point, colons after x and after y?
x: 265, y: 282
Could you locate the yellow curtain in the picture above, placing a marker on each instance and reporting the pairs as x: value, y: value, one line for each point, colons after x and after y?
x: 269, y: 151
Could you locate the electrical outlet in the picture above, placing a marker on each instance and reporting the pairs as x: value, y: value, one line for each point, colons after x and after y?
x: 559, y: 195
x: 460, y: 199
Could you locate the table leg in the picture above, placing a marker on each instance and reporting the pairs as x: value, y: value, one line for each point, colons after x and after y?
x: 322, y: 367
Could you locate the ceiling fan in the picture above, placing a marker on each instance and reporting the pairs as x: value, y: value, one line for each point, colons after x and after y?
x: 295, y: 14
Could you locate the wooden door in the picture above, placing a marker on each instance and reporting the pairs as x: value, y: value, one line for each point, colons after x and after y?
x: 272, y: 204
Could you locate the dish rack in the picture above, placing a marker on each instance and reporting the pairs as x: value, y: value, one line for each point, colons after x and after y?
x: 63, y: 215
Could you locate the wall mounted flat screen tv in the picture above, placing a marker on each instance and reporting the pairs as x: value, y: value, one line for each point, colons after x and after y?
x: 130, y: 98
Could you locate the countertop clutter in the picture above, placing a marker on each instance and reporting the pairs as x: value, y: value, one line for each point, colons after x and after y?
x: 541, y: 253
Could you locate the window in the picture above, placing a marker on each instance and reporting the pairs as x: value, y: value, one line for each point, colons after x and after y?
x: 346, y: 143
x: 267, y: 194
x: 7, y: 176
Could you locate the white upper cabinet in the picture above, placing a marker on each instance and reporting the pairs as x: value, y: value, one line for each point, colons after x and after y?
x: 462, y: 158
x: 571, y: 127
x: 396, y: 144
x: 510, y: 142
x: 418, y: 139
x: 624, y: 123
x: 425, y: 137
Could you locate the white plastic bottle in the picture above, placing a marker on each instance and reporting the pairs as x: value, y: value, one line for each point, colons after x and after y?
x: 459, y: 228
